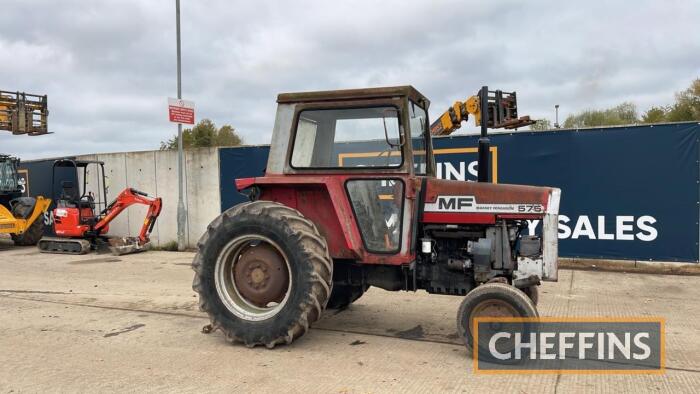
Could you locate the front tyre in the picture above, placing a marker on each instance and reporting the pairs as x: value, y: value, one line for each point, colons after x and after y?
x: 263, y: 274
x: 33, y: 234
x: 499, y: 300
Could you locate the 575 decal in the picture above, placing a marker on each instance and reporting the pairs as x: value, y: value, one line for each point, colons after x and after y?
x: 530, y: 208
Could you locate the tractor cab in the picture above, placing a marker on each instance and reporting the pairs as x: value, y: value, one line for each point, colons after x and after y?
x: 361, y: 152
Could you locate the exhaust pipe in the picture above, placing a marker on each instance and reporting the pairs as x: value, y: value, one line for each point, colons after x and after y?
x: 484, y: 142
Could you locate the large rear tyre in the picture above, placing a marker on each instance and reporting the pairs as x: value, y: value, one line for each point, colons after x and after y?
x: 491, y: 300
x: 35, y: 230
x: 263, y: 274
x: 344, y: 295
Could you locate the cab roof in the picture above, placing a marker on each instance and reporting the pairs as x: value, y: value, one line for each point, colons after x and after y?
x: 75, y: 163
x: 354, y: 94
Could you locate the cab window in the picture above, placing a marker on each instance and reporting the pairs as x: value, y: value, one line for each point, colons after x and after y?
x: 348, y: 137
x: 419, y: 127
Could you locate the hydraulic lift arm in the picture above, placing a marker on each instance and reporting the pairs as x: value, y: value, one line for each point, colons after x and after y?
x: 502, y: 110
x: 125, y: 199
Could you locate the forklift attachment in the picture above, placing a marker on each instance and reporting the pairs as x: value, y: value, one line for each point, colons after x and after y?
x: 23, y: 113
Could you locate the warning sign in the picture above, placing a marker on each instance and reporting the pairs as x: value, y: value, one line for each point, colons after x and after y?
x: 180, y: 111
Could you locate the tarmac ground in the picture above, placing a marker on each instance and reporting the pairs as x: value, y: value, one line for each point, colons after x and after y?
x: 98, y: 322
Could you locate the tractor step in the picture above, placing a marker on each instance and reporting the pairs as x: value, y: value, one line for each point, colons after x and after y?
x: 64, y: 245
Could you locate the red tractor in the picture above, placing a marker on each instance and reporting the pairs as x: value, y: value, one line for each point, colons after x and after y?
x: 350, y: 200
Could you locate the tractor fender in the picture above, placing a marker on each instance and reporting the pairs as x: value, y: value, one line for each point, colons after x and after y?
x: 323, y: 199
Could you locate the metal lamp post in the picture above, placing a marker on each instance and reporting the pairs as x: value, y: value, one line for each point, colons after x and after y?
x: 181, y: 210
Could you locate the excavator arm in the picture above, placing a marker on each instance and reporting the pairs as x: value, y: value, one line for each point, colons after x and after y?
x: 125, y: 199
x: 502, y: 113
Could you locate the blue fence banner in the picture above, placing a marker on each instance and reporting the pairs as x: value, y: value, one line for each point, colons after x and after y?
x: 627, y: 192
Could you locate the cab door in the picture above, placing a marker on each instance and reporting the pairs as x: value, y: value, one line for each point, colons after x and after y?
x: 378, y: 207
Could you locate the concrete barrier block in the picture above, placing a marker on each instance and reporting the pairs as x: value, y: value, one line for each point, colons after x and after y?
x: 141, y: 175
x: 203, y: 192
x: 166, y: 184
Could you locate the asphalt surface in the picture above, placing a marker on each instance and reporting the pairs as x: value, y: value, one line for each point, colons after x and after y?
x: 100, y: 323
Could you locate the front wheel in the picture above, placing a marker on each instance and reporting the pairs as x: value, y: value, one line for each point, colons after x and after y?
x: 35, y: 231
x: 263, y: 274
x: 491, y: 300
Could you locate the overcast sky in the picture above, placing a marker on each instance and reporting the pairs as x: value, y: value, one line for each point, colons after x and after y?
x: 109, y: 66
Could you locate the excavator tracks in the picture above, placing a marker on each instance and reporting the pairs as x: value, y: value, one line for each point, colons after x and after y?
x: 64, y: 245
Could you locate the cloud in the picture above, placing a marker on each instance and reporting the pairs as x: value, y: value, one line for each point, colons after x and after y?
x: 108, y: 67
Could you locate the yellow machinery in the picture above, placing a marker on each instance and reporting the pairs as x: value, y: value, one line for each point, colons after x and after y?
x: 502, y: 112
x: 491, y: 109
x: 21, y: 217
x: 23, y: 113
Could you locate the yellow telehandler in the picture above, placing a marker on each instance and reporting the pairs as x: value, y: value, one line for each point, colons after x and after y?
x: 21, y: 217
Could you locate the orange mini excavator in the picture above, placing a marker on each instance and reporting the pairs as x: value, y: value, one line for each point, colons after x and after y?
x: 79, y: 227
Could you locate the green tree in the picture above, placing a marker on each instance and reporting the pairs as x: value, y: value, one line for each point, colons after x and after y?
x: 227, y: 137
x: 625, y: 113
x: 541, y: 124
x: 204, y: 134
x: 655, y: 115
x: 687, y: 105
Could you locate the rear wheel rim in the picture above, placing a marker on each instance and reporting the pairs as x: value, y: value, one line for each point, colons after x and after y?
x: 253, y: 277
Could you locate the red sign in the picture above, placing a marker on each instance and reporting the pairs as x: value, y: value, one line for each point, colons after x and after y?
x: 181, y: 111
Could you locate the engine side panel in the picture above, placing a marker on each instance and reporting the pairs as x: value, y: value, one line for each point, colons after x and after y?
x: 459, y: 202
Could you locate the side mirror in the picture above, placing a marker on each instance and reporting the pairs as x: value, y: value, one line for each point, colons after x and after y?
x: 392, y: 113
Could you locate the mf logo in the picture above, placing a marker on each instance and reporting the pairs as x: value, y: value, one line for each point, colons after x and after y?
x: 455, y: 203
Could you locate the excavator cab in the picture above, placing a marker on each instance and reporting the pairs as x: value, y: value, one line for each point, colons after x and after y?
x: 75, y: 213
